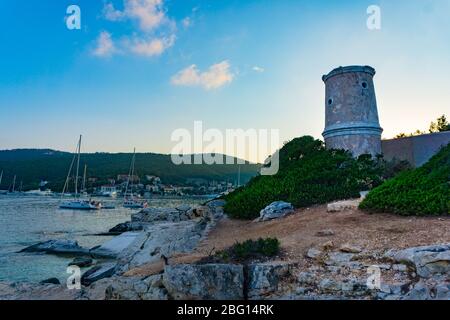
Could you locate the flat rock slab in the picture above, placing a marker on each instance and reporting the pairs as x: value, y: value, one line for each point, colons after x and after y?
x: 115, y: 246
x: 62, y: 247
x: 161, y: 239
x: 99, y: 272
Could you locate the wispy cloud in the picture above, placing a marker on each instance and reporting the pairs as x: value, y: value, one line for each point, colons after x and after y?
x: 186, y: 22
x: 152, y: 47
x: 258, y: 69
x: 111, y: 14
x: 149, y: 14
x: 104, y: 45
x: 215, y: 77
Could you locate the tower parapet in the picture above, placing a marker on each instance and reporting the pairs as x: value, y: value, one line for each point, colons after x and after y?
x: 351, y: 115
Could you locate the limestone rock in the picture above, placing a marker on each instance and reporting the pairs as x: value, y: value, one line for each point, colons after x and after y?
x: 276, y: 210
x: 81, y: 262
x: 427, y: 260
x: 343, y: 205
x: 313, y: 253
x: 57, y: 247
x: 115, y: 246
x: 329, y: 285
x: 339, y: 258
x: 125, y: 227
x: 348, y: 248
x: 306, y: 278
x: 327, y: 245
x: 97, y: 273
x: 264, y: 279
x: 204, y: 282
x: 135, y: 288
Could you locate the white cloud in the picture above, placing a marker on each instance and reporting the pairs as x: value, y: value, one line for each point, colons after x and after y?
x: 105, y: 45
x: 151, y: 19
x: 258, y: 69
x: 152, y: 47
x: 216, y: 76
x: 186, y: 22
x: 111, y: 14
x: 149, y: 14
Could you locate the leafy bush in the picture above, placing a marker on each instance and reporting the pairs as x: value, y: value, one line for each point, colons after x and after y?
x: 309, y: 174
x: 250, y: 249
x: 422, y: 191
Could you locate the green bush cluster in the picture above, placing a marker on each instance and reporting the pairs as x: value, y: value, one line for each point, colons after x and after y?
x: 309, y: 174
x: 422, y: 191
x: 250, y: 249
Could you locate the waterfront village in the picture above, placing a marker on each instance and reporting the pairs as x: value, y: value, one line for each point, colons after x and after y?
x: 150, y: 185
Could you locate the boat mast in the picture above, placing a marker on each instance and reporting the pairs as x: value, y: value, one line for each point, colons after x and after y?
x: 14, y: 184
x: 130, y: 173
x: 78, y: 168
x: 84, y: 179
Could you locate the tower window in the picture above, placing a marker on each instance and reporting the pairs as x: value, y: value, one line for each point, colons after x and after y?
x: 330, y: 102
x: 364, y: 85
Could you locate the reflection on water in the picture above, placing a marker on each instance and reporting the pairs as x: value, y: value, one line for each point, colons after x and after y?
x: 26, y: 220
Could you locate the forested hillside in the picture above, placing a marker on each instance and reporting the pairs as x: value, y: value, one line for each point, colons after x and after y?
x: 32, y: 165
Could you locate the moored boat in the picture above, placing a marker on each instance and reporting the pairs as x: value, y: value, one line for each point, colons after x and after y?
x: 77, y: 203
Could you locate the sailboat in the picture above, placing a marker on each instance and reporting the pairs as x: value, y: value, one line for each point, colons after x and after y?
x: 1, y: 178
x: 77, y: 203
x: 130, y: 201
x: 12, y: 188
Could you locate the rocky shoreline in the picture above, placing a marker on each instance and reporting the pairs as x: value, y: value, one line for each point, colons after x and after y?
x: 152, y: 259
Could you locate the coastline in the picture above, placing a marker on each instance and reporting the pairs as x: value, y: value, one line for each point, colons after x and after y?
x: 163, y: 261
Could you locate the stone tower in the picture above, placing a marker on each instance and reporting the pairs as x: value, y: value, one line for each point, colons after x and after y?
x: 351, y: 116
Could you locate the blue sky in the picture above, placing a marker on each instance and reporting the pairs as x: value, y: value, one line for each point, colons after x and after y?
x: 139, y: 69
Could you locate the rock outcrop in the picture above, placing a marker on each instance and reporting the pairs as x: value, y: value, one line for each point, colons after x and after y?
x: 204, y: 282
x: 275, y: 210
x: 426, y: 261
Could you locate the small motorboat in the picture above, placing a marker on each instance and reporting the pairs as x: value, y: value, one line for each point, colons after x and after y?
x: 135, y: 204
x: 80, y: 205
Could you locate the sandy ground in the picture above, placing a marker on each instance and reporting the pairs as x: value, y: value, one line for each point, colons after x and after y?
x: 298, y: 232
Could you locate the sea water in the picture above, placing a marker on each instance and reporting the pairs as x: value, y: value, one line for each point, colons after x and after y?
x: 26, y: 220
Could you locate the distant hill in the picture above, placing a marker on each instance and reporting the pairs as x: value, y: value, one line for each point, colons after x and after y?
x: 32, y: 165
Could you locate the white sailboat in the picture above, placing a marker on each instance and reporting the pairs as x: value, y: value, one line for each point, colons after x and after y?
x: 77, y: 203
x: 130, y: 201
x: 1, y: 178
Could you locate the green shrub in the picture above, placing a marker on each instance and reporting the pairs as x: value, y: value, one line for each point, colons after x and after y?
x: 250, y: 249
x: 309, y: 174
x: 422, y: 191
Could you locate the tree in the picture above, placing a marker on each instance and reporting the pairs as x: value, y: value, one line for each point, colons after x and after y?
x: 440, y: 125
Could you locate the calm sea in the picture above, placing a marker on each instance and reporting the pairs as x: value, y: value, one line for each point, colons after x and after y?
x: 26, y: 220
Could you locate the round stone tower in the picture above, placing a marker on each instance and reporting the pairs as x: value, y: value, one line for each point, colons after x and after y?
x: 351, y: 116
